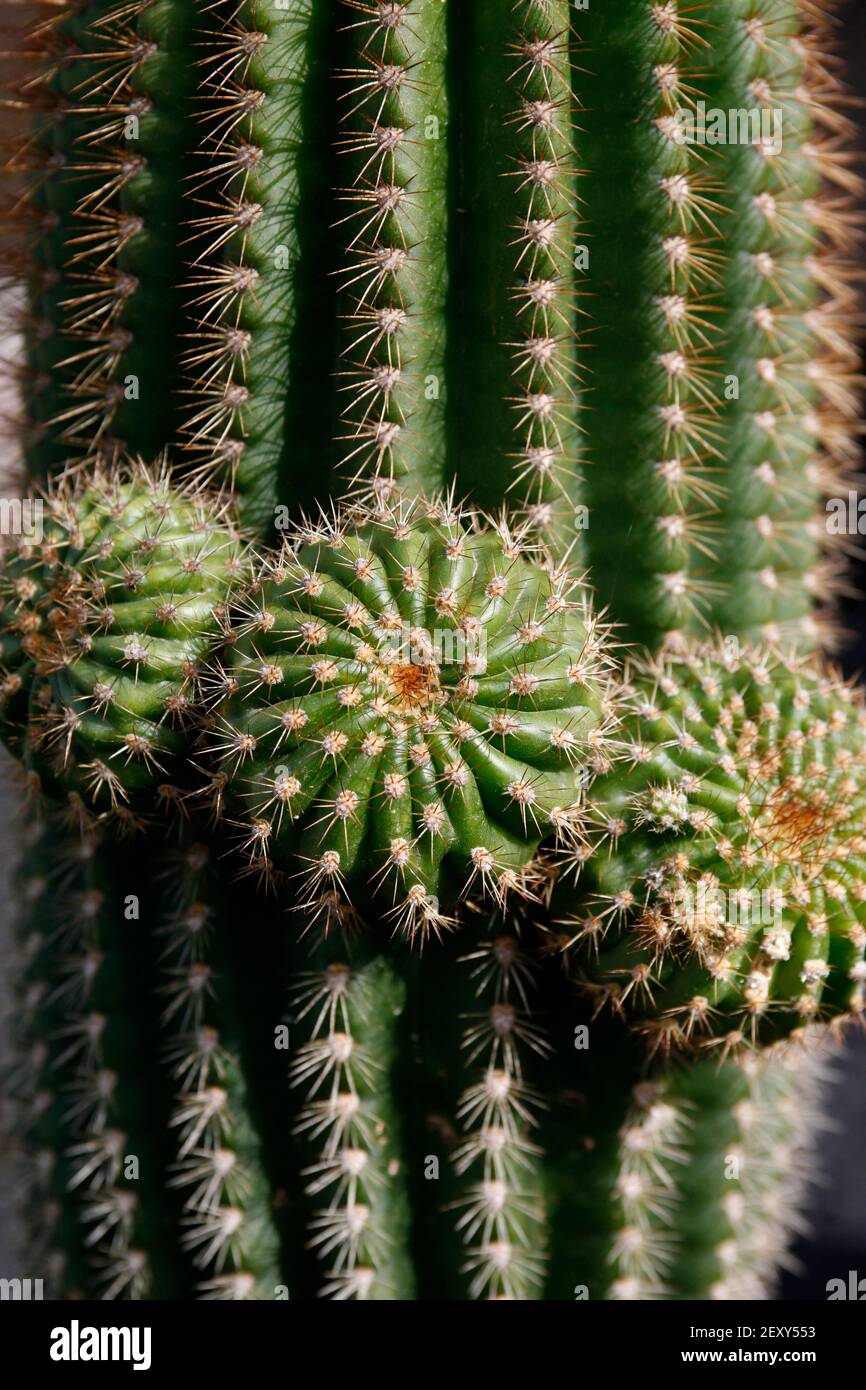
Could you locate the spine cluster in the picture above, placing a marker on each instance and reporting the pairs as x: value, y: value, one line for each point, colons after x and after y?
x: 357, y: 1221
x: 226, y: 1226
x: 92, y: 1156
x: 501, y: 1212
x: 787, y: 435
x: 732, y: 1144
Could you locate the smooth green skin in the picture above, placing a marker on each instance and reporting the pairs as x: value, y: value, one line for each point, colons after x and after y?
x: 491, y: 201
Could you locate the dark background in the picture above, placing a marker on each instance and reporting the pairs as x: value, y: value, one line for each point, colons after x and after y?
x: 836, y: 1239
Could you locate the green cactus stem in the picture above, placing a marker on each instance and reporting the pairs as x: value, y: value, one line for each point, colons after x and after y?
x: 423, y: 251
x: 410, y: 700
x: 102, y: 223
x: 258, y: 369
x: 393, y: 226
x: 729, y: 901
x: 40, y: 986
x: 347, y: 1004
x: 227, y: 1225
x: 684, y: 1183
x: 722, y: 364
x: 99, y: 1115
x: 499, y: 1185
x: 518, y: 360
x: 788, y: 420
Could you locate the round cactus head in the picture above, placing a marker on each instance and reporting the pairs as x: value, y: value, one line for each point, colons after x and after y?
x: 731, y: 893
x: 106, y: 625
x: 411, y: 706
x: 25, y: 578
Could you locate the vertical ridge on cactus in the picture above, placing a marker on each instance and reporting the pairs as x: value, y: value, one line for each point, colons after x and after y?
x: 35, y: 223
x: 347, y: 1005
x: 392, y: 222
x: 501, y: 1199
x: 227, y: 1225
x: 744, y: 421
x: 517, y: 361
x: 252, y: 398
x: 98, y: 1107
x: 653, y: 209
x: 53, y: 1232
x: 682, y: 1184
x: 102, y: 221
x: 787, y: 437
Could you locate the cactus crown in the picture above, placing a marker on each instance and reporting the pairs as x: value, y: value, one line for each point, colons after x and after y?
x: 737, y: 892
x: 109, y: 619
x: 414, y: 695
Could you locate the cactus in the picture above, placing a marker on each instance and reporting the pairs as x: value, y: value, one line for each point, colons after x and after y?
x: 457, y: 330
x: 732, y: 905
x: 410, y: 700
x: 109, y: 621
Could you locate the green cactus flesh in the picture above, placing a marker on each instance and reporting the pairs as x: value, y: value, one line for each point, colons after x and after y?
x: 410, y: 252
x: 113, y: 617
x: 410, y: 699
x: 733, y: 905
x: 683, y: 1183
x: 98, y: 1112
x: 106, y: 229
x: 227, y: 1226
x: 720, y: 314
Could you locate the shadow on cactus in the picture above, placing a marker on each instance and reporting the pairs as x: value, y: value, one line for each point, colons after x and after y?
x: 413, y: 702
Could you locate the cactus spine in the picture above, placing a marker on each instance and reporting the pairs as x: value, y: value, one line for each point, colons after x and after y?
x: 429, y: 280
